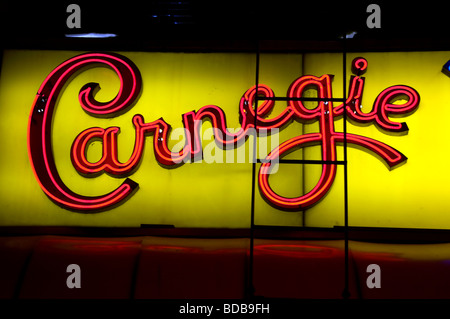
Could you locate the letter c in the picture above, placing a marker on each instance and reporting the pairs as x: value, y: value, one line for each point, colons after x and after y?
x: 40, y: 127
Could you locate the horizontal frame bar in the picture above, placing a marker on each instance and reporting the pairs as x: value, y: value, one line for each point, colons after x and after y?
x: 313, y: 99
x: 298, y: 161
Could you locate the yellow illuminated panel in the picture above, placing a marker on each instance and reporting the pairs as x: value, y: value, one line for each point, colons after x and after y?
x: 193, y: 195
x: 216, y: 190
x: 414, y: 194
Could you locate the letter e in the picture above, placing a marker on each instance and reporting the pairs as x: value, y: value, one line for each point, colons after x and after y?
x: 374, y: 19
x: 374, y: 280
x: 74, y: 279
x: 74, y: 19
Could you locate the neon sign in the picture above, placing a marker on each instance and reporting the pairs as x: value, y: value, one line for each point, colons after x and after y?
x: 40, y: 127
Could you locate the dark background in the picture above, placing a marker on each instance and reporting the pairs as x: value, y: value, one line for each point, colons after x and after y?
x: 227, y: 25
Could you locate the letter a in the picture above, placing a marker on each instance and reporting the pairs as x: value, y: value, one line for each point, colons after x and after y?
x: 73, y: 20
x: 74, y: 280
x: 374, y: 280
x: 373, y: 20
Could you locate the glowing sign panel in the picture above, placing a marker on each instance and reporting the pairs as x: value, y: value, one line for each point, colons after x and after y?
x: 40, y: 127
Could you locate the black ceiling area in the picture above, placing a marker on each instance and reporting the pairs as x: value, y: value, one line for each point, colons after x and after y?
x: 279, y: 25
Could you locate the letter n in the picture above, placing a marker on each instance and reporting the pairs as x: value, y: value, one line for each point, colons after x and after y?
x: 74, y: 279
x: 374, y: 19
x: 74, y: 19
x: 374, y: 279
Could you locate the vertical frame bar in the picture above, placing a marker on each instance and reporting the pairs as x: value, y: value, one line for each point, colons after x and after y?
x: 250, y: 290
x: 346, y: 292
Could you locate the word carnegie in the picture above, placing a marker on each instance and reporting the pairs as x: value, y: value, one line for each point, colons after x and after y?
x: 82, y: 142
x: 40, y: 126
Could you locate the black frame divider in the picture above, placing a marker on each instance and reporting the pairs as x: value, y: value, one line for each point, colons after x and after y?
x: 249, y: 285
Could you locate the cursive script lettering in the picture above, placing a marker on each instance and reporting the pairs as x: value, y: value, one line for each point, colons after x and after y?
x: 40, y: 146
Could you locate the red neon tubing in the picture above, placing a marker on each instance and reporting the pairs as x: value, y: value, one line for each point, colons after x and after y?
x: 40, y: 126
